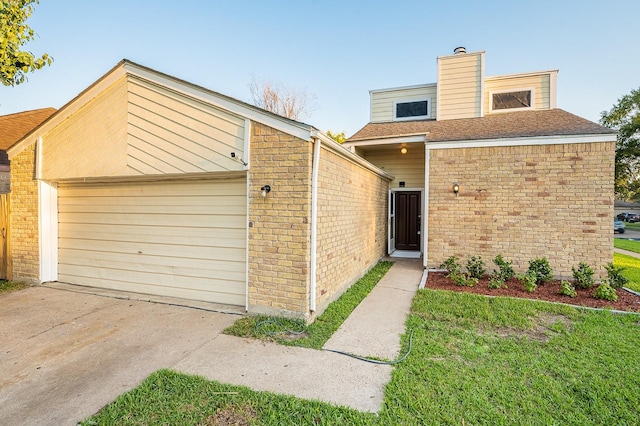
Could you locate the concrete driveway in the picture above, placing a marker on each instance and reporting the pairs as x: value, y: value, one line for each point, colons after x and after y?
x: 65, y: 355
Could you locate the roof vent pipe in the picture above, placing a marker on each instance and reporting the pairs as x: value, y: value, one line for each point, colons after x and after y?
x: 459, y: 50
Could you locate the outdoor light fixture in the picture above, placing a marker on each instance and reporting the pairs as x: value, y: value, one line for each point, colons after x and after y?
x: 265, y: 190
x: 403, y: 150
x: 456, y: 189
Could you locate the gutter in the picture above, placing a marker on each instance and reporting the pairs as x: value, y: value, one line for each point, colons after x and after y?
x: 314, y: 223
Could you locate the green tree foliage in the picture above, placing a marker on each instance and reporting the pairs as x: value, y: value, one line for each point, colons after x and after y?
x: 338, y: 137
x: 625, y: 118
x: 14, y: 33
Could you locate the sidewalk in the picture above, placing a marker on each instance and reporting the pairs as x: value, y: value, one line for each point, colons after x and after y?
x: 373, y: 329
x: 627, y: 252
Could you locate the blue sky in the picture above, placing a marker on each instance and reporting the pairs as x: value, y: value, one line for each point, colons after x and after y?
x: 335, y: 50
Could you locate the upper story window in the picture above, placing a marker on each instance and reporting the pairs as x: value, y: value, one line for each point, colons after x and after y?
x: 512, y: 100
x: 412, y: 109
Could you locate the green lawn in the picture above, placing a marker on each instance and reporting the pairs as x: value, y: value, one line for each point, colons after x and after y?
x: 475, y: 361
x: 9, y: 286
x: 630, y: 245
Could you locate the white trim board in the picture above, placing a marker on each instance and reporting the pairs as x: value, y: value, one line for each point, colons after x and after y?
x: 538, y: 140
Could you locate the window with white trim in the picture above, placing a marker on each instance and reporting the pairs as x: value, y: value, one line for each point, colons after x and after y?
x: 412, y: 109
x: 511, y: 100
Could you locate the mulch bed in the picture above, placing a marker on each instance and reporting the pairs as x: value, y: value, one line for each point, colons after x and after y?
x: 550, y: 291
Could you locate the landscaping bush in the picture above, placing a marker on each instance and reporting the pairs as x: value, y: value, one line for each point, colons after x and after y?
x: 496, y: 281
x: 583, y: 275
x: 614, y: 276
x: 505, y: 270
x: 451, y: 265
x: 461, y: 279
x: 567, y: 289
x: 606, y: 292
x: 529, y: 281
x: 542, y: 270
x: 475, y: 267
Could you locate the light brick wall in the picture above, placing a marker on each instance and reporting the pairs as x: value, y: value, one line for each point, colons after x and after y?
x: 523, y: 202
x: 25, y: 250
x: 279, y: 225
x: 352, y: 224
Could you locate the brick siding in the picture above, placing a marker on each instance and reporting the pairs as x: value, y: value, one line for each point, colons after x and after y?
x: 279, y: 225
x: 25, y: 250
x: 352, y: 224
x: 523, y: 202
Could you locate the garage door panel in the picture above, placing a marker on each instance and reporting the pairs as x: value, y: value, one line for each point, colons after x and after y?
x: 161, y: 264
x: 185, y: 293
x: 132, y: 249
x: 180, y: 220
x: 211, y: 237
x: 182, y: 239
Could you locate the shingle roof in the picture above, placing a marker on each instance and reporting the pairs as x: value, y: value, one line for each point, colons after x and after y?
x: 14, y: 126
x: 496, y: 126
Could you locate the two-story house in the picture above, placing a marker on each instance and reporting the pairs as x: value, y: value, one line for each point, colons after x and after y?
x: 487, y: 165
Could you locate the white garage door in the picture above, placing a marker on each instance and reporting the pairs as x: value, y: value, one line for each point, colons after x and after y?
x: 182, y: 239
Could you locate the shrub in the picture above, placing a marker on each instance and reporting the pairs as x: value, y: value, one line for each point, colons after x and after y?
x: 496, y: 281
x: 475, y: 267
x: 528, y: 280
x: 451, y: 265
x: 541, y: 269
x: 461, y: 279
x: 567, y: 289
x: 504, y: 268
x: 606, y: 292
x: 614, y: 276
x: 583, y: 276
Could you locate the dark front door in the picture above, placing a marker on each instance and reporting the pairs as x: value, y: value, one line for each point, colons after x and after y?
x: 408, y: 220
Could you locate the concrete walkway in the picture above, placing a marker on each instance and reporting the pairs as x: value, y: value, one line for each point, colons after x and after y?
x: 627, y: 252
x: 64, y: 354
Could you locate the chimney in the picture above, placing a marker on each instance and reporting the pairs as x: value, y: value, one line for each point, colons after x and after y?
x: 459, y: 50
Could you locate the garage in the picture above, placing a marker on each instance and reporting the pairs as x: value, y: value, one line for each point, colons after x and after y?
x: 181, y: 238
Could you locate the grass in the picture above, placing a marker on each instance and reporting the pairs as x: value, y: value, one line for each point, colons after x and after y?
x: 634, y: 226
x: 9, y: 286
x: 475, y: 360
x: 317, y: 333
x: 630, y: 263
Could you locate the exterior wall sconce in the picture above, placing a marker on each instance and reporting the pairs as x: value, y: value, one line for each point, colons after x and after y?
x: 456, y: 189
x: 265, y: 190
x: 403, y: 150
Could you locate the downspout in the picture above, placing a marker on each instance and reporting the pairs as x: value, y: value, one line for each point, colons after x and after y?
x: 314, y: 222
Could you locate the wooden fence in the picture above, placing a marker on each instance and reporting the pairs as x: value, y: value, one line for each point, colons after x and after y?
x: 5, y: 243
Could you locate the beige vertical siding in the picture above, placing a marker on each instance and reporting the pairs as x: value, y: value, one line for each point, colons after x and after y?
x: 382, y: 101
x: 171, y: 133
x: 92, y: 142
x: 540, y: 83
x: 407, y: 168
x: 182, y: 239
x: 521, y: 202
x: 460, y: 86
x: 352, y: 218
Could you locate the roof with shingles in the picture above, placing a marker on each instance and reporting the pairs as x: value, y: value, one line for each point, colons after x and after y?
x: 521, y: 124
x: 14, y: 127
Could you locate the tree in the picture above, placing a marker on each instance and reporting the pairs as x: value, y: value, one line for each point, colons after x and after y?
x: 338, y: 137
x: 280, y: 99
x: 625, y: 118
x: 14, y: 32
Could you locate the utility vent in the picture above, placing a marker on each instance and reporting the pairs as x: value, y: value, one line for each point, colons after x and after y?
x: 459, y: 50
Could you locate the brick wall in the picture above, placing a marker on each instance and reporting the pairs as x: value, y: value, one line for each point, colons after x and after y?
x: 25, y: 250
x: 352, y: 224
x: 523, y: 202
x: 279, y: 225
x: 5, y: 184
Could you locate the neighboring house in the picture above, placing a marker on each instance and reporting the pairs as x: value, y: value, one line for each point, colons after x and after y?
x: 626, y: 207
x: 489, y: 165
x: 151, y: 184
x: 13, y: 127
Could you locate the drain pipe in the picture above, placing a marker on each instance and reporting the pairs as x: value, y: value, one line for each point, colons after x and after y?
x: 314, y: 221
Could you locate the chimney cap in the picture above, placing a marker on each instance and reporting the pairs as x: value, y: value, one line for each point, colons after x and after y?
x: 459, y: 50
